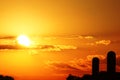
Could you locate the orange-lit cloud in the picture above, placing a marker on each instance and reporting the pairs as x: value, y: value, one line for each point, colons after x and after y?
x: 79, y: 37
x: 104, y: 42
x: 66, y: 68
x: 78, y: 66
x: 99, y: 42
x: 43, y: 47
x: 86, y: 37
x: 90, y: 57
x: 56, y: 47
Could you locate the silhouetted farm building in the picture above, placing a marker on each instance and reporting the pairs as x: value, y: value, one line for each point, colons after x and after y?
x: 110, y: 74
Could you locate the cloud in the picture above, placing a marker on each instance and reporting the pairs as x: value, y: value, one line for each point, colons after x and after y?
x: 81, y: 37
x: 8, y: 47
x: 99, y: 42
x: 80, y: 66
x: 86, y: 37
x: 42, y: 47
x: 66, y: 68
x: 56, y: 47
x: 90, y: 57
x: 7, y: 37
x: 103, y: 42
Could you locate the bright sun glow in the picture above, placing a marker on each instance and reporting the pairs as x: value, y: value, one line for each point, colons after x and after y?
x: 23, y: 40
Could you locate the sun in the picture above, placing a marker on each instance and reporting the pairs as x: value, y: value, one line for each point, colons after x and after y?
x: 23, y: 40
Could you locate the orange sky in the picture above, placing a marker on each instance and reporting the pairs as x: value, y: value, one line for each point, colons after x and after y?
x: 56, y: 56
x: 59, y: 17
x: 67, y: 33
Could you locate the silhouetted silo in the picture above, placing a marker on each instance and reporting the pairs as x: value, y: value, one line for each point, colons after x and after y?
x: 95, y: 66
x: 111, y: 62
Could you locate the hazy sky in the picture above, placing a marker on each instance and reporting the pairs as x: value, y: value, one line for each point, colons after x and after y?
x: 77, y: 30
x: 59, y: 17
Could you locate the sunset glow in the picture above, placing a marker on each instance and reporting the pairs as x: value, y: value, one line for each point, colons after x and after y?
x: 23, y: 40
x: 50, y: 39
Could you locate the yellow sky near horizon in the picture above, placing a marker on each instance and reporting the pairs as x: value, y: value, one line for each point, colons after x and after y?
x: 59, y: 17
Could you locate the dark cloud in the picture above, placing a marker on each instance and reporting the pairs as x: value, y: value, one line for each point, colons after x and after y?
x: 8, y: 47
x: 7, y: 37
x: 56, y: 47
x: 41, y: 47
x: 64, y: 66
